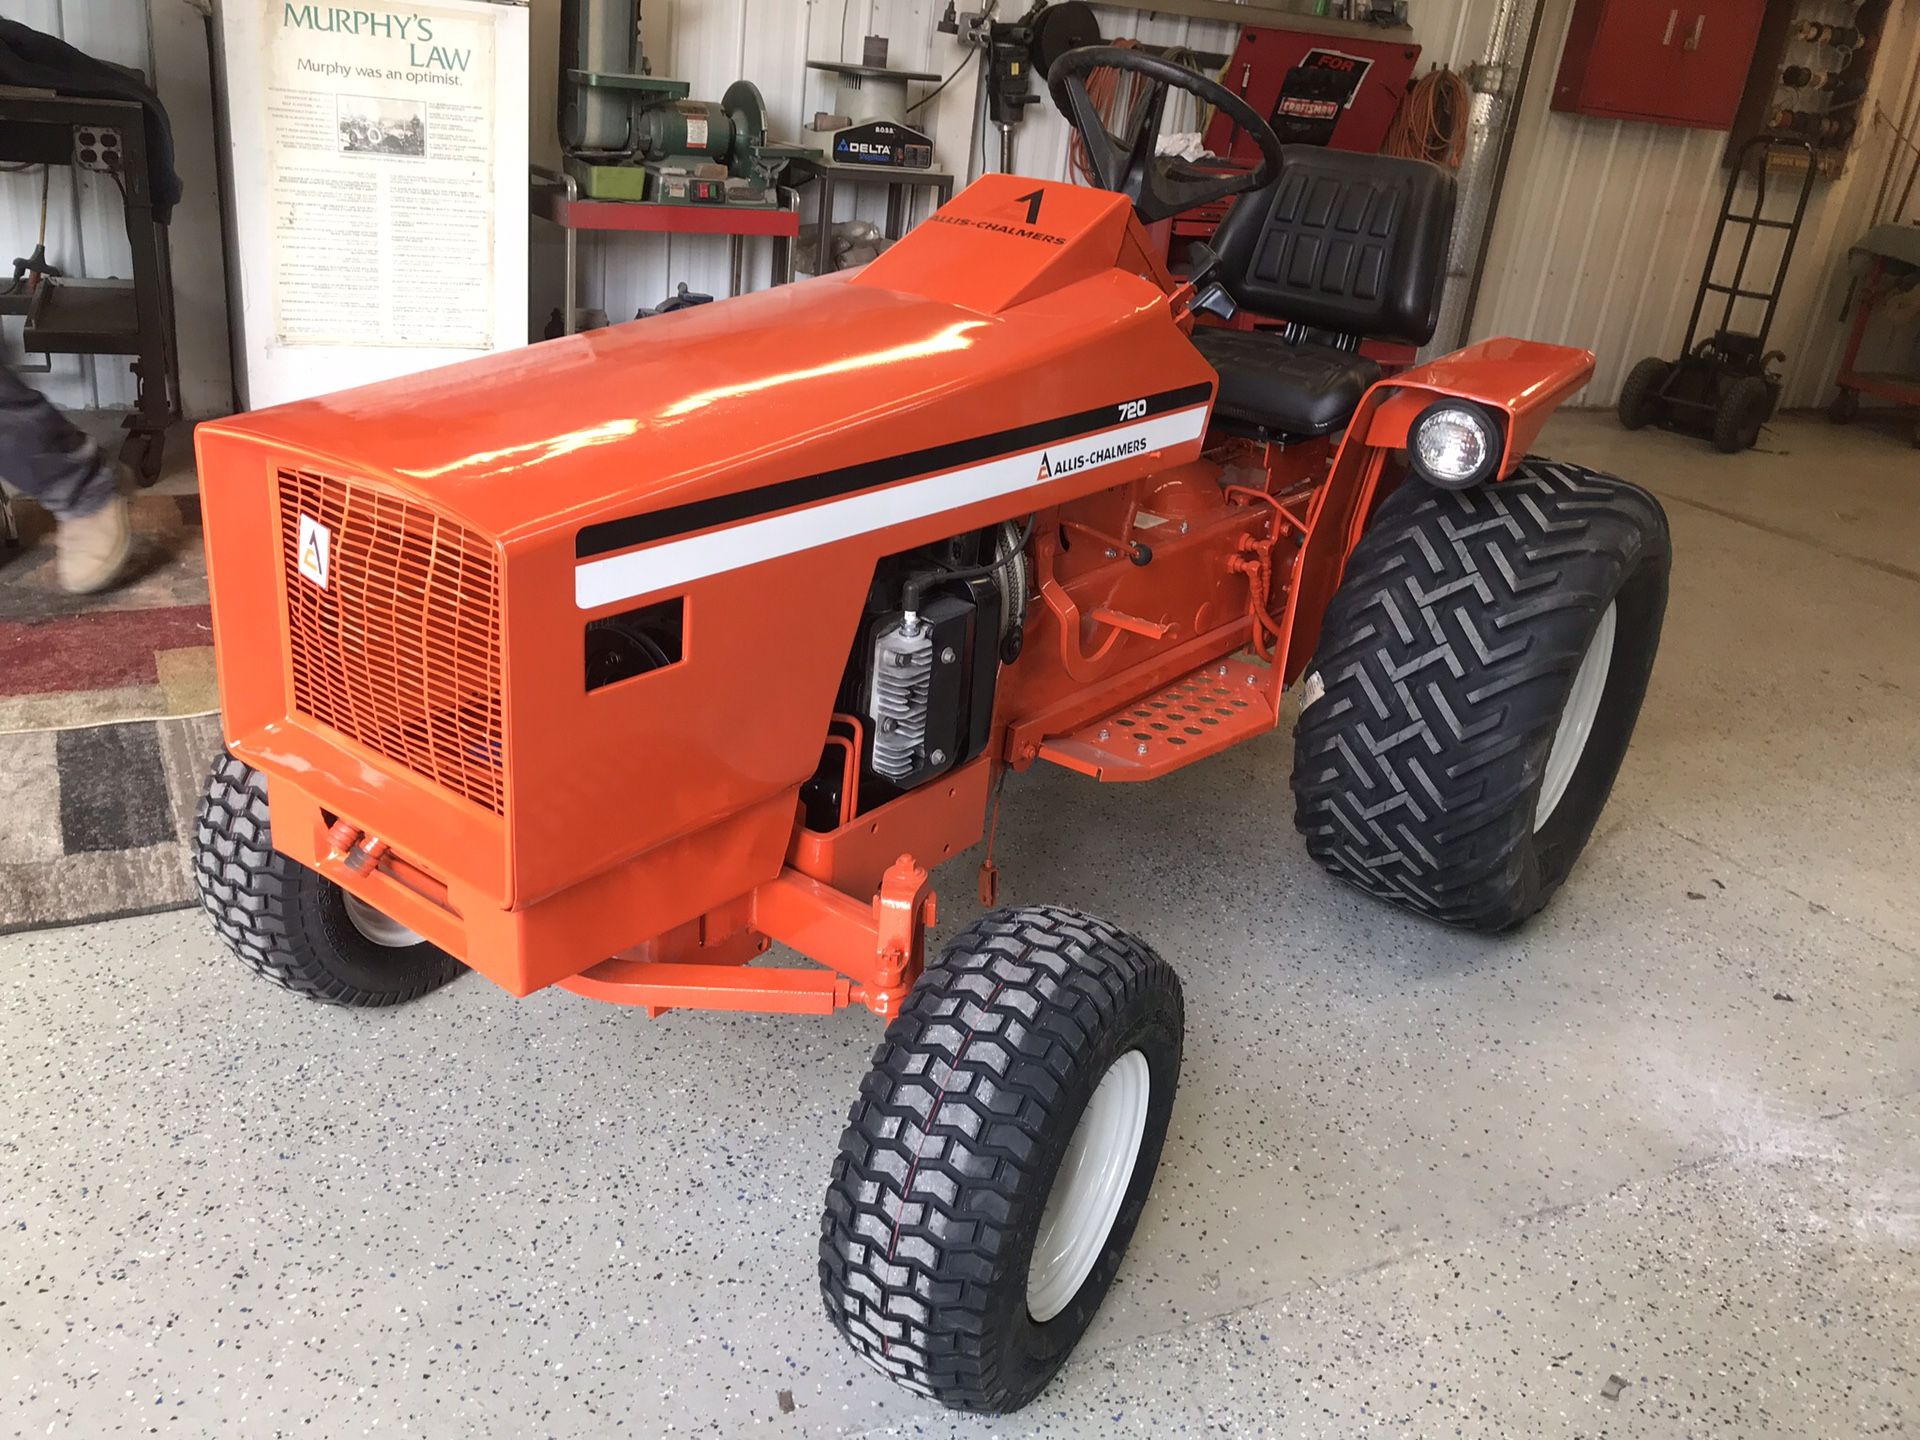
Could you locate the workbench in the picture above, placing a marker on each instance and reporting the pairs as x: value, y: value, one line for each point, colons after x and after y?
x: 557, y: 199
x: 1891, y: 256
x: 72, y: 316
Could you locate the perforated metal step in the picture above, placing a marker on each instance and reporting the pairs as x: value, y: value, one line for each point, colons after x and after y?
x: 1198, y: 715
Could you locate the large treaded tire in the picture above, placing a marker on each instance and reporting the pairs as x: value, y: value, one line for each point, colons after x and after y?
x: 283, y: 920
x: 953, y: 1146
x: 1639, y: 404
x: 1447, y: 657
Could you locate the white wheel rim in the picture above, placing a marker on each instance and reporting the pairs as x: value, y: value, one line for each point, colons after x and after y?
x: 380, y: 929
x: 1576, y: 719
x: 1090, y: 1186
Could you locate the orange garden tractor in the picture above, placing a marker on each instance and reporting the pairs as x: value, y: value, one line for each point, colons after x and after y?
x: 610, y: 663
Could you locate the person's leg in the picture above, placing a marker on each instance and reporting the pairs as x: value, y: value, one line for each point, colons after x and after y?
x: 42, y: 454
x: 46, y: 457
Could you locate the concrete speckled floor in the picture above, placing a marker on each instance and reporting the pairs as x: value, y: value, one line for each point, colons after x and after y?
x: 1650, y: 1168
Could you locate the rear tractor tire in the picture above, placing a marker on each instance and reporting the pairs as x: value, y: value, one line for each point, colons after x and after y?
x: 300, y: 930
x: 1479, y: 674
x: 999, y: 1156
x: 1640, y: 403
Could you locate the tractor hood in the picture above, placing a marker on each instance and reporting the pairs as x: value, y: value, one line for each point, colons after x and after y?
x: 407, y: 578
x: 958, y: 329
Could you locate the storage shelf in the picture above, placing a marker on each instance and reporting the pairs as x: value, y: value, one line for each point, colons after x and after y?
x: 645, y: 217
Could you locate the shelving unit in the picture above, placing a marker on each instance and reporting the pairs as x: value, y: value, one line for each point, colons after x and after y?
x: 1828, y: 118
x: 556, y: 199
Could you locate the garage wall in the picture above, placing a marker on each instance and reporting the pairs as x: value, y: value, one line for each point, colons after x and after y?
x: 713, y: 42
x: 86, y: 231
x: 1599, y: 240
x: 1604, y: 226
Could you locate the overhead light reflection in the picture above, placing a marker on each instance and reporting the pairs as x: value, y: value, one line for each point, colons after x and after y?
x: 954, y: 337
x: 535, y: 451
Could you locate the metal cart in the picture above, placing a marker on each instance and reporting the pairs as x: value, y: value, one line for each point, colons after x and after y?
x: 134, y: 317
x: 1724, y: 385
x: 1892, y: 255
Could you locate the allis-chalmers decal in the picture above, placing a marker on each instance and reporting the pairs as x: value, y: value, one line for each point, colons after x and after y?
x: 316, y: 545
x: 1105, y: 455
x: 708, y: 537
x: 1000, y: 228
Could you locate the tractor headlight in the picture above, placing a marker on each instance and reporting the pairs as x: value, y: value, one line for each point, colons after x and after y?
x: 1455, y: 443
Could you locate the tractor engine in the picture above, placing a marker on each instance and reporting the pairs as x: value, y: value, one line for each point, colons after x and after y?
x: 938, y: 623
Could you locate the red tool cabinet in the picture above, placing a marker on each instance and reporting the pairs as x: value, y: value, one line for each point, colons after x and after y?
x: 1673, y: 62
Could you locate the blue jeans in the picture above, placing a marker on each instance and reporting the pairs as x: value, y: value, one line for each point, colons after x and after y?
x: 42, y: 454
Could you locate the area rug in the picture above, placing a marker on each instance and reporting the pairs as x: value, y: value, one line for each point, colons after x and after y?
x: 96, y: 820
x: 141, y: 650
x: 106, y: 728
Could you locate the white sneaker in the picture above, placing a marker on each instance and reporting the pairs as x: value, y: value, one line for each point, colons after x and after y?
x: 93, y: 550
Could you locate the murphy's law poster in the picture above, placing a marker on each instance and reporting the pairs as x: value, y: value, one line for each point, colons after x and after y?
x: 381, y: 174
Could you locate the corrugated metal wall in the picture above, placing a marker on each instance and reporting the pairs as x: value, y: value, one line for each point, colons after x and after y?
x: 1604, y: 227
x: 86, y: 233
x: 711, y: 43
x: 1599, y: 239
x: 714, y: 42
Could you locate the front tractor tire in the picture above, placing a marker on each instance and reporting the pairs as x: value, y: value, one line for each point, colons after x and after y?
x: 1478, y: 678
x: 999, y: 1156
x: 296, y: 928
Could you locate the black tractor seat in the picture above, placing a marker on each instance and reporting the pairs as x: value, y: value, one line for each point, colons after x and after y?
x: 1342, y: 246
x: 1293, y: 389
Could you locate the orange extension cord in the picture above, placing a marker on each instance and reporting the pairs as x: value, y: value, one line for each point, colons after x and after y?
x: 1105, y: 90
x: 1431, y: 123
x: 1115, y: 95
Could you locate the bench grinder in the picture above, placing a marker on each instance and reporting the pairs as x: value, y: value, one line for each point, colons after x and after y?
x: 631, y: 135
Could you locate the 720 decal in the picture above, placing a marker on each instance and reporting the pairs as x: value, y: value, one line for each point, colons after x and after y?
x: 1132, y: 409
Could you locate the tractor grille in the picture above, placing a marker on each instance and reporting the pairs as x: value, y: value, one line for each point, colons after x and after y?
x: 400, y: 649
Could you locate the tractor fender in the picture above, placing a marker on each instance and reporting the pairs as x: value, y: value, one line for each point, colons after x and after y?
x: 1525, y: 381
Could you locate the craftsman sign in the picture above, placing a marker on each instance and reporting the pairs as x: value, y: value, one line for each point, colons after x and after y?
x: 1315, y: 93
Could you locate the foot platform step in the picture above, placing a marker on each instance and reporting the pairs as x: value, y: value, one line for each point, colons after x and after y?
x: 1200, y: 714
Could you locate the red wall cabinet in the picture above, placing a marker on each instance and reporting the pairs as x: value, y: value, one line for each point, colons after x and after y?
x: 1673, y: 62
